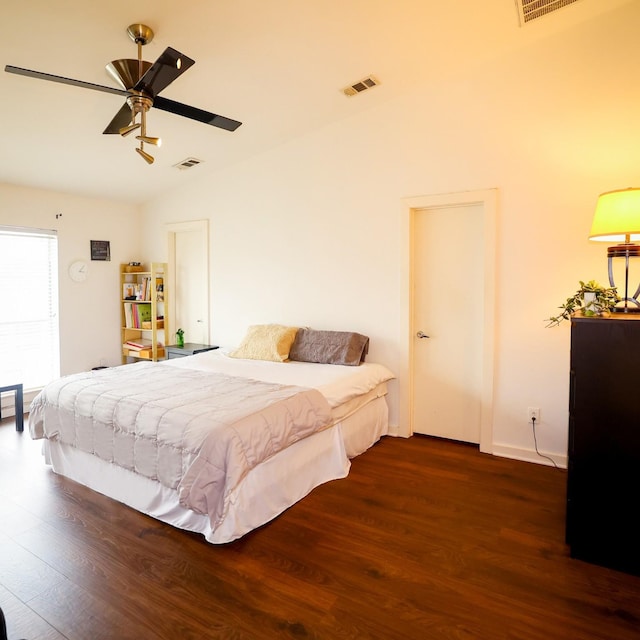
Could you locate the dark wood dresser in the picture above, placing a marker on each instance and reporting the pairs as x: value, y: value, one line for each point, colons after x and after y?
x: 603, y: 488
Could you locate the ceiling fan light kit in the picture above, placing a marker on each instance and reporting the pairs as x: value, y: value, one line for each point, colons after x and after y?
x: 145, y: 155
x: 149, y: 140
x: 125, y: 131
x: 141, y: 82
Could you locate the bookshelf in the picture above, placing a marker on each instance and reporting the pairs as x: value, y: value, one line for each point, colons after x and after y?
x: 144, y: 308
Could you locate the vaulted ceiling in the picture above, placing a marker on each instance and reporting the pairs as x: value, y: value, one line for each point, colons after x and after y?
x: 278, y: 66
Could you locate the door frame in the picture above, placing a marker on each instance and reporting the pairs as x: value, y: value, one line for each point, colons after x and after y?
x: 488, y: 200
x: 202, y: 227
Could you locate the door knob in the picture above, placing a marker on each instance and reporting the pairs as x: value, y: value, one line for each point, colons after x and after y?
x: 421, y: 334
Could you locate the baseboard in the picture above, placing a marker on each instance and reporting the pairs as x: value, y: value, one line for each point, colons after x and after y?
x: 514, y: 453
x: 530, y: 455
x: 394, y: 430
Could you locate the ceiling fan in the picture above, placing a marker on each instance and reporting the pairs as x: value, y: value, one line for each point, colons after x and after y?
x: 141, y: 82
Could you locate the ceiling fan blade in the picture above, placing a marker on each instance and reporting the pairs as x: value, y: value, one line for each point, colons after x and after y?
x: 163, y: 72
x: 121, y: 119
x: 195, y: 114
x: 76, y: 83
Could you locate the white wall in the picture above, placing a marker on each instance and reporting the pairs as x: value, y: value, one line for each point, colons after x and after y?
x: 310, y: 233
x: 89, y: 310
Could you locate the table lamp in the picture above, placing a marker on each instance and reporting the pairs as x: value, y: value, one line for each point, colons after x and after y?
x: 617, y: 219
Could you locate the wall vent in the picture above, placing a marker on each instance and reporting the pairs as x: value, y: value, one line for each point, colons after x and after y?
x: 531, y: 9
x: 187, y: 163
x: 362, y: 85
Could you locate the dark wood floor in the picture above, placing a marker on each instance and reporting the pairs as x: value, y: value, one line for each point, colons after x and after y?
x: 424, y: 539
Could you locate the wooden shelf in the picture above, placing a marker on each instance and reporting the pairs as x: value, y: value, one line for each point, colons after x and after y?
x: 144, y: 317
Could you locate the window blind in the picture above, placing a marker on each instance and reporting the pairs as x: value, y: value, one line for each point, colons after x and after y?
x: 29, y: 336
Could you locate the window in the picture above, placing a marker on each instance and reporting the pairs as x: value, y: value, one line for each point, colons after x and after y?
x: 29, y: 341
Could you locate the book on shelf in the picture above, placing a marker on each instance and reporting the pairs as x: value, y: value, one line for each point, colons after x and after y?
x: 128, y: 315
x: 144, y: 313
x: 159, y: 289
x: 147, y: 353
x: 139, y: 344
x: 146, y: 294
x: 137, y: 313
x: 140, y: 290
x: 129, y: 291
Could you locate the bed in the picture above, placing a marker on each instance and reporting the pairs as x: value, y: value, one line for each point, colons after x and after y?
x: 219, y: 442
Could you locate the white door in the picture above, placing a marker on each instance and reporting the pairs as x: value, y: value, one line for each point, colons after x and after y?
x: 448, y: 307
x: 189, y: 265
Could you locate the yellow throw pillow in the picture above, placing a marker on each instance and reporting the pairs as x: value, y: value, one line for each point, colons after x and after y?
x: 266, y: 342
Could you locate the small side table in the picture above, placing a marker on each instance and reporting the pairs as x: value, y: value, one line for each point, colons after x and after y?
x: 189, y: 349
x: 18, y: 402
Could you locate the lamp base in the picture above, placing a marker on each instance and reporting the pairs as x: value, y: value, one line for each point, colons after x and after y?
x: 630, y: 303
x: 628, y: 250
x: 630, y: 309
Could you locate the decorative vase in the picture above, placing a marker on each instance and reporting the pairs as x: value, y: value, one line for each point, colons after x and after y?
x: 180, y: 339
x: 589, y: 305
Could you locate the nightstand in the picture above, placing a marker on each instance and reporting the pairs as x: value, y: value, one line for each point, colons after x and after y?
x: 17, y: 388
x: 189, y: 349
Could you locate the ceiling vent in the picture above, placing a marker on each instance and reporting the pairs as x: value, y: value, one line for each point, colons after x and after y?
x: 531, y: 9
x: 188, y: 163
x: 362, y: 85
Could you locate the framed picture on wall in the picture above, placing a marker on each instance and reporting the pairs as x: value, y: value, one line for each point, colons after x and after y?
x: 100, y: 250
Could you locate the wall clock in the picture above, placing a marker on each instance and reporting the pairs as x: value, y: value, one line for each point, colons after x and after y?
x: 78, y: 271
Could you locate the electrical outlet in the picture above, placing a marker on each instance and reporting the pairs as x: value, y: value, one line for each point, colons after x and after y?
x: 533, y: 413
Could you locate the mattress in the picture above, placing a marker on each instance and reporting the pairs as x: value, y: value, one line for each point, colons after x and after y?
x: 357, y: 397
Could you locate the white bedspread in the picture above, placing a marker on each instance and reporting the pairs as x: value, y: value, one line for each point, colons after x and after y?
x: 196, y: 431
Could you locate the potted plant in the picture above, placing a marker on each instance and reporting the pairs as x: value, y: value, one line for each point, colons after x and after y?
x: 591, y: 299
x: 180, y: 337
